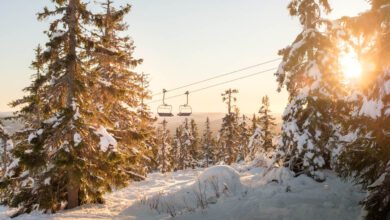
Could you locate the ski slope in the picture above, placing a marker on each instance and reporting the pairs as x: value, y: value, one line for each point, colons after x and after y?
x: 246, y: 193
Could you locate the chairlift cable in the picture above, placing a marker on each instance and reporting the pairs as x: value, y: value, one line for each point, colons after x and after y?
x: 219, y: 76
x: 214, y: 85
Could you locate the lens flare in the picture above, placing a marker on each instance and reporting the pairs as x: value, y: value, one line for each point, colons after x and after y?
x: 350, y: 65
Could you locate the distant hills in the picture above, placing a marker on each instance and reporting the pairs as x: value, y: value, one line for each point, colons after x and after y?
x: 200, y: 119
x: 176, y: 121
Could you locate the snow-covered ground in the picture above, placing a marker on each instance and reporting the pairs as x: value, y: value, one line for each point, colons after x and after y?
x: 224, y: 193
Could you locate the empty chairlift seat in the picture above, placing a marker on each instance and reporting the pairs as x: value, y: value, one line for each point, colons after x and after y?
x: 164, y: 110
x: 185, y: 110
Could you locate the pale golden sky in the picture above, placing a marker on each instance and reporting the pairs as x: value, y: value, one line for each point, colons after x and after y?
x: 181, y: 41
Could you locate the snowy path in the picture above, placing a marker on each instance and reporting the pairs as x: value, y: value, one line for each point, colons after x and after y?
x: 123, y: 204
x: 332, y: 199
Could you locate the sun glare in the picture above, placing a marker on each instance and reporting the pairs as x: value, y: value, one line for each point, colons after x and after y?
x: 350, y: 65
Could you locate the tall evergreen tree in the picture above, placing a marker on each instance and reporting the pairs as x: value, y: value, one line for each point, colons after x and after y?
x: 267, y: 124
x: 5, y: 145
x: 32, y: 104
x: 183, y: 143
x: 86, y: 143
x: 124, y: 90
x: 187, y: 143
x: 262, y: 138
x: 366, y: 153
x: 177, y: 151
x: 308, y: 71
x: 164, y: 158
x: 228, y: 134
x: 243, y: 139
x: 208, y: 143
x: 254, y: 142
x: 146, y: 127
x: 254, y: 123
x: 195, y: 144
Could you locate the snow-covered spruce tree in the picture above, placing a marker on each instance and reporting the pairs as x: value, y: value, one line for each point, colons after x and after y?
x: 309, y: 72
x: 124, y: 90
x: 195, y: 144
x: 164, y: 159
x: 32, y: 105
x: 229, y: 132
x: 254, y: 142
x: 177, y: 151
x: 208, y: 144
x: 5, y: 148
x: 146, y: 127
x: 4, y: 159
x: 254, y: 123
x: 187, y: 141
x: 366, y: 153
x: 79, y: 152
x: 243, y: 138
x: 267, y: 124
x: 261, y: 140
x: 182, y: 143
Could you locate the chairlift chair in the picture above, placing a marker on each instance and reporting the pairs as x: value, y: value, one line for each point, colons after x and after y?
x: 164, y: 110
x: 185, y: 110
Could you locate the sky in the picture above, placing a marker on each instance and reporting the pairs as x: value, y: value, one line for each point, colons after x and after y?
x: 181, y: 42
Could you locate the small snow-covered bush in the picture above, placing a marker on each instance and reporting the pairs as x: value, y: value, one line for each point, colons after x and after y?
x: 211, y: 185
x: 220, y: 180
x: 275, y: 174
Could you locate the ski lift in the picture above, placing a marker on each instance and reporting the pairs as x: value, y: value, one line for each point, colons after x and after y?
x: 185, y: 110
x: 164, y: 110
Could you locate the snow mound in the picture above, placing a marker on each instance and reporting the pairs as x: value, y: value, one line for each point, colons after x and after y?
x: 281, y: 175
x: 219, y: 180
x: 278, y: 175
x: 216, y: 184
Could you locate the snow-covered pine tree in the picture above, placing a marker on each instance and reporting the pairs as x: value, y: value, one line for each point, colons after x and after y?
x: 182, y: 143
x: 228, y: 134
x: 187, y: 141
x: 254, y: 145
x: 5, y: 159
x: 208, y: 144
x: 195, y: 144
x: 81, y: 150
x: 32, y: 110
x: 3, y: 139
x: 32, y: 105
x: 309, y: 72
x: 164, y: 159
x: 243, y: 139
x: 254, y: 142
x: 254, y: 123
x: 177, y: 151
x: 146, y: 126
x: 5, y: 146
x: 124, y: 90
x: 267, y: 124
x: 261, y: 140
x: 366, y: 154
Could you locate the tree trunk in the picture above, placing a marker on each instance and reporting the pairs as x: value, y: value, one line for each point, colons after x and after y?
x: 72, y: 55
x: 73, y: 186
x: 73, y: 189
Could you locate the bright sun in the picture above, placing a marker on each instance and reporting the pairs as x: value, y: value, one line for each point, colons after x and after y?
x: 350, y: 65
